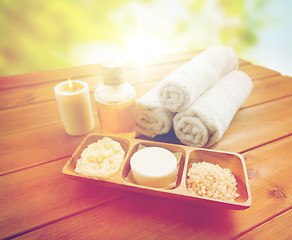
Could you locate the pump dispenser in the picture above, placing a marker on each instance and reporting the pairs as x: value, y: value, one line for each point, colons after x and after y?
x: 115, y: 101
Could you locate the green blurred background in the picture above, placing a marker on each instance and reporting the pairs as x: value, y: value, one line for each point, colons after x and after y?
x: 38, y: 35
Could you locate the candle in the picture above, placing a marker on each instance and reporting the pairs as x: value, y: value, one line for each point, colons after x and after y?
x: 74, y: 106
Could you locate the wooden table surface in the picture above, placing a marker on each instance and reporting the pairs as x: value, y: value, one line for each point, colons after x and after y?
x: 38, y: 202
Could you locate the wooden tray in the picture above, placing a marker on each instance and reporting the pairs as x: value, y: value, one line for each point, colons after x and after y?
x: 233, y: 161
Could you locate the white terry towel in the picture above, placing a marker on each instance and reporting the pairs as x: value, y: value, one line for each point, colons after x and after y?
x: 205, y: 122
x: 185, y: 84
x: 151, y: 118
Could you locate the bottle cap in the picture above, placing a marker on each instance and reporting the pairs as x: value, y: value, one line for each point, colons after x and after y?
x: 112, y: 72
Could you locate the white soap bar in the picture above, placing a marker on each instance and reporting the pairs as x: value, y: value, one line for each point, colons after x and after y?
x: 154, y: 167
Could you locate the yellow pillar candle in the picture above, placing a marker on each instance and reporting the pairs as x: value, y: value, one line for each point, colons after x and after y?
x: 75, y: 107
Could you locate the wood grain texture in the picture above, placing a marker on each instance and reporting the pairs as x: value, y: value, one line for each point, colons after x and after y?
x: 38, y: 202
x: 268, y: 229
x: 25, y: 103
x: 29, y: 117
x: 269, y: 89
x: 38, y: 195
x: 38, y: 92
x: 257, y: 125
x: 258, y: 72
x: 44, y: 142
x: 147, y: 217
x: 37, y: 146
x: 62, y: 74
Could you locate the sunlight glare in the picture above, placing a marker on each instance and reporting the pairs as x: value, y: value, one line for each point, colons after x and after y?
x: 143, y: 48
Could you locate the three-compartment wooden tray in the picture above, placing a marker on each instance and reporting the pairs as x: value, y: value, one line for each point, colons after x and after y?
x: 233, y: 161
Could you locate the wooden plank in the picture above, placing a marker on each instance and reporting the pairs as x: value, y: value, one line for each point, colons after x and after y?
x: 32, y: 94
x: 32, y: 116
x: 28, y: 117
x: 26, y: 95
x: 251, y: 127
x: 280, y: 227
x: 269, y: 89
x: 257, y: 72
x: 37, y: 93
x: 20, y: 80
x: 40, y: 145
x: 35, y: 196
x: 143, y: 217
x: 270, y: 179
x: 89, y: 70
x: 257, y: 125
x: 81, y: 71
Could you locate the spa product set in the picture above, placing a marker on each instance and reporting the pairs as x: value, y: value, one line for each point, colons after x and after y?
x: 199, y: 99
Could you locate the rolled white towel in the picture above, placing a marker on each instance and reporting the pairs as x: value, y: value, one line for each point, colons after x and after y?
x: 151, y: 118
x: 182, y: 86
x: 205, y: 122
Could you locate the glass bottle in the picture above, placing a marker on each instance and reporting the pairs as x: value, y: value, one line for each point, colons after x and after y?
x: 115, y: 101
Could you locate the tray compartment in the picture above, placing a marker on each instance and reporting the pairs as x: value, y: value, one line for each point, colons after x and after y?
x: 172, y: 148
x: 232, y: 161
x: 69, y: 168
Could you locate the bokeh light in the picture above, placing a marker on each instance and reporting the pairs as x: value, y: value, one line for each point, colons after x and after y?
x: 43, y: 35
x: 143, y: 48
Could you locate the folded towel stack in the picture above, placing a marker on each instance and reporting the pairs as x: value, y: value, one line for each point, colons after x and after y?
x: 185, y: 84
x: 151, y: 117
x: 205, y: 122
x: 199, y: 99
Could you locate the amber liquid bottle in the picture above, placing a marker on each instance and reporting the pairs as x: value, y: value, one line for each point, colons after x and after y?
x: 115, y: 101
